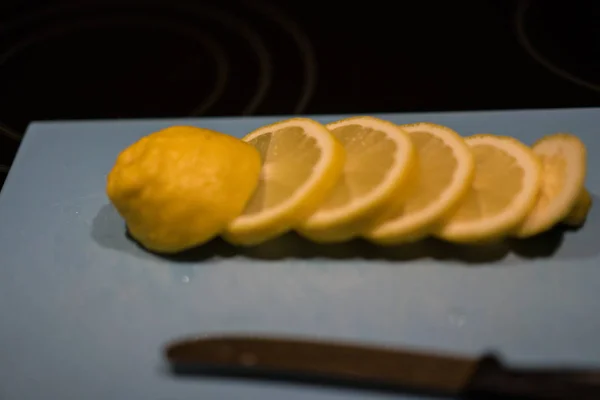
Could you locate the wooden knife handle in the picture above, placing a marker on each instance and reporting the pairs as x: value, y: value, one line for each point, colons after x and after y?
x: 495, y: 381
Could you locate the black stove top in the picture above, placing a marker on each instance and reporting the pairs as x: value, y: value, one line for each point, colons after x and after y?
x: 134, y: 58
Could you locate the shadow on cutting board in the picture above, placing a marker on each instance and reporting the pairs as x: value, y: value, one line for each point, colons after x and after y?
x: 108, y: 230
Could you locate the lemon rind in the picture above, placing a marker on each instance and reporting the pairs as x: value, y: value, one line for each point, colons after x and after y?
x: 580, y: 211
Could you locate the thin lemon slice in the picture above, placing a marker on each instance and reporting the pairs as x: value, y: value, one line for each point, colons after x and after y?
x: 578, y: 214
x: 443, y: 176
x: 563, y: 158
x: 302, y: 161
x: 504, y: 190
x: 379, y: 156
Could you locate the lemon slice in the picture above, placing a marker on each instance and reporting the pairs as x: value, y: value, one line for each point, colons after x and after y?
x: 504, y: 190
x: 379, y: 156
x: 579, y: 213
x: 563, y: 159
x: 443, y: 176
x: 302, y: 161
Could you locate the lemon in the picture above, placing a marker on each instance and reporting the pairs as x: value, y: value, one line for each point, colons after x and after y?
x: 443, y: 177
x: 563, y: 159
x: 504, y: 190
x: 379, y: 156
x: 578, y: 214
x: 302, y: 161
x: 179, y: 187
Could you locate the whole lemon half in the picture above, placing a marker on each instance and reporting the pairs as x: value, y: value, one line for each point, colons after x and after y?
x: 180, y: 187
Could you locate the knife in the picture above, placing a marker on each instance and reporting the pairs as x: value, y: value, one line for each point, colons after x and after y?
x: 342, y: 363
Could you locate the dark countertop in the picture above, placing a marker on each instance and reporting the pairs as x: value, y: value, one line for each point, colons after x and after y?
x: 129, y: 59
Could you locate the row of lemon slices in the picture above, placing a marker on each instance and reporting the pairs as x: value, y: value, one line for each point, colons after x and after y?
x: 366, y: 177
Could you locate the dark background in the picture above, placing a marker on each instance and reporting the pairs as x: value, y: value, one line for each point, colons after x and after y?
x: 132, y: 59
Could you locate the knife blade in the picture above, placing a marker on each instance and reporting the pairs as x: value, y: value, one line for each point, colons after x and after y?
x: 343, y: 363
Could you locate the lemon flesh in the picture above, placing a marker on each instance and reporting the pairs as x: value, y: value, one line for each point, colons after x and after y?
x: 180, y: 187
x: 301, y: 162
x: 444, y: 173
x: 578, y: 214
x: 504, y: 189
x: 379, y: 156
x: 563, y: 159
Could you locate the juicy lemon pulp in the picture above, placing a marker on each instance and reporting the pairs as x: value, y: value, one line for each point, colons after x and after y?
x: 493, y: 188
x: 443, y: 175
x: 289, y: 158
x: 506, y: 182
x: 301, y: 163
x: 379, y: 156
x: 370, y: 154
